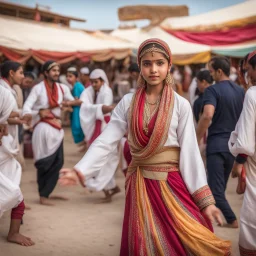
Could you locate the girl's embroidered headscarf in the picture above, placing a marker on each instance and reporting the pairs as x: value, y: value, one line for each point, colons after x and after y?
x: 164, y: 115
x: 154, y: 45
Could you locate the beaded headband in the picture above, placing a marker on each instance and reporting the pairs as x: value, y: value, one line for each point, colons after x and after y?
x: 153, y: 49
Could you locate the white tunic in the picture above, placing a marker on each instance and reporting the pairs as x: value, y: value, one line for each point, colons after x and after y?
x: 46, y: 139
x: 10, y: 169
x: 242, y: 141
x: 181, y: 134
x: 12, y: 129
x: 7, y: 104
x: 89, y: 113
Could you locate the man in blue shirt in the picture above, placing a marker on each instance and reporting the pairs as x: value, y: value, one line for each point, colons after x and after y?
x: 222, y: 105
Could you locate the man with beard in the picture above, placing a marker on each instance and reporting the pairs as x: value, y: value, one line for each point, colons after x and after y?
x: 44, y: 103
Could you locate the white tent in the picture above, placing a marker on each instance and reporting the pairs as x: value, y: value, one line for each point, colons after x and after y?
x: 226, y: 15
x: 178, y: 47
x: 183, y: 52
x: 24, y: 35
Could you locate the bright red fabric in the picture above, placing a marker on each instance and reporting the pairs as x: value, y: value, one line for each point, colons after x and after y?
x: 97, y: 129
x: 18, y: 212
x: 42, y: 56
x: 52, y: 94
x: 162, y: 215
x: 217, y: 37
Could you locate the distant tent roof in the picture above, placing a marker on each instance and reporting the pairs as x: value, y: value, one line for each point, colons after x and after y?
x: 183, y: 52
x: 235, y: 15
x: 231, y: 25
x: 32, y: 37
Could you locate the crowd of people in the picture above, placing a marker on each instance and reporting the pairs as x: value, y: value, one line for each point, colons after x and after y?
x: 177, y: 154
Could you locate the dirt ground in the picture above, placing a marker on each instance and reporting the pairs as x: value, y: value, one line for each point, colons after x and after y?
x: 81, y: 226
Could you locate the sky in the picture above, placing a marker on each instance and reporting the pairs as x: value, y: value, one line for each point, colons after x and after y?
x: 103, y: 14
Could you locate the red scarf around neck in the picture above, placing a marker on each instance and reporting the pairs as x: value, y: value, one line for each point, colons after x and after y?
x: 52, y: 94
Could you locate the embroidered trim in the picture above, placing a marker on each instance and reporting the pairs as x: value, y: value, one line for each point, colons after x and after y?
x: 154, y: 49
x: 203, y: 197
x: 246, y: 252
x: 163, y: 168
x: 157, y: 41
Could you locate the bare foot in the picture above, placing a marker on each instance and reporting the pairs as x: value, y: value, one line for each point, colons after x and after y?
x: 234, y: 224
x: 108, y: 194
x: 20, y: 239
x: 114, y: 191
x: 27, y: 207
x: 45, y: 201
x: 59, y: 198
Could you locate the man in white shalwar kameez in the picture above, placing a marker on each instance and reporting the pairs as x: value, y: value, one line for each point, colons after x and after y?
x: 44, y: 103
x: 94, y: 116
x: 242, y: 144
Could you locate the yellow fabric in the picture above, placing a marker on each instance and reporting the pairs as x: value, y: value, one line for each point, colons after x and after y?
x: 239, y: 23
x: 219, y: 26
x: 202, y: 57
x: 106, y: 55
x: 157, y: 166
x: 154, y: 175
x: 167, y: 155
x: 197, y: 238
x: 146, y: 216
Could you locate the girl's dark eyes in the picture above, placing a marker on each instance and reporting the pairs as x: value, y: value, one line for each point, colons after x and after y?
x: 147, y: 64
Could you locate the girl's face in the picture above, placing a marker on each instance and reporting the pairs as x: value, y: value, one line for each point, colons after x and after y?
x: 154, y: 68
x: 17, y: 76
x: 96, y: 84
x: 71, y: 78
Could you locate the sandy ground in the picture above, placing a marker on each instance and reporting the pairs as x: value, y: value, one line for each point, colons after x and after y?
x: 80, y: 226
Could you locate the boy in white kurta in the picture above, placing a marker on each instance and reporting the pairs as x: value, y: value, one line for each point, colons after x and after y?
x: 243, y: 143
x: 94, y: 116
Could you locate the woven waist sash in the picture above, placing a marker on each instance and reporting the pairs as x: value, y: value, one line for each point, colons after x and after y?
x: 158, y: 166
